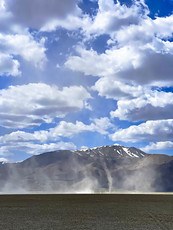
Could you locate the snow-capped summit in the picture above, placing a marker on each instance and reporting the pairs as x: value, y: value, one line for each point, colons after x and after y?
x: 115, y: 151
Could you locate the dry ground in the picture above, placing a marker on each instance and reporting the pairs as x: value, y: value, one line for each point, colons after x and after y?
x: 86, y: 212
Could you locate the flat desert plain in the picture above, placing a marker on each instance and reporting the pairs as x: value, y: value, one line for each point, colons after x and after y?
x: 86, y: 212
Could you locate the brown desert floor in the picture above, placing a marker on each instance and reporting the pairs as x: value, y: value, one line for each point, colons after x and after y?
x: 86, y: 212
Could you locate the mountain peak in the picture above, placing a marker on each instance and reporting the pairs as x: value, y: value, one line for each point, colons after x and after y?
x: 107, y: 168
x: 112, y: 150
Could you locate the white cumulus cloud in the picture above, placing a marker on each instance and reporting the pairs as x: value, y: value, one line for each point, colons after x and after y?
x: 25, y: 46
x: 150, y: 131
x: 9, y: 66
x: 158, y: 146
x: 113, y: 16
x: 33, y: 104
x: 148, y: 64
x: 48, y: 140
x: 150, y: 105
x: 117, y: 90
x: 34, y: 149
x: 63, y: 129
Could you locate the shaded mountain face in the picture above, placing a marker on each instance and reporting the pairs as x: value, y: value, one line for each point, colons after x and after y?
x: 103, y: 169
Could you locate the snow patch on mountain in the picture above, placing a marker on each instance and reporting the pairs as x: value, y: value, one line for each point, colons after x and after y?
x: 115, y: 150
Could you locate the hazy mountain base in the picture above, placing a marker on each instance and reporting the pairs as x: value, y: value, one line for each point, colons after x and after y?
x: 97, y: 170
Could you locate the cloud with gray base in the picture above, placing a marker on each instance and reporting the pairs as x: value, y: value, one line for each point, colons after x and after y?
x: 63, y: 129
x: 49, y: 140
x: 24, y: 46
x: 138, y: 56
x: 146, y: 64
x: 33, y: 104
x: 109, y: 17
x: 139, y: 53
x: 113, y: 16
x: 152, y: 131
x: 151, y: 105
x: 9, y: 66
x: 36, y: 13
x: 34, y: 148
x: 162, y: 145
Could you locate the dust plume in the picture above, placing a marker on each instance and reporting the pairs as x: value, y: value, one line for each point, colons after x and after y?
x: 67, y: 172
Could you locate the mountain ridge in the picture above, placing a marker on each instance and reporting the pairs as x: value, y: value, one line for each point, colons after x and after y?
x: 106, y: 168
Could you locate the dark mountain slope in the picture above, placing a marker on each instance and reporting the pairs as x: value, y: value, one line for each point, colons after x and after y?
x: 106, y: 168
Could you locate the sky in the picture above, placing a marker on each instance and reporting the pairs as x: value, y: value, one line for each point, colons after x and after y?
x: 84, y: 73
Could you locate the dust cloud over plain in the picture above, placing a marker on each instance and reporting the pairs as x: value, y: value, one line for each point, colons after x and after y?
x: 78, y: 175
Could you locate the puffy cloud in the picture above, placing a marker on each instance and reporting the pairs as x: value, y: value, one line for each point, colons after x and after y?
x: 25, y: 46
x: 152, y: 105
x: 161, y: 27
x: 84, y: 62
x: 47, y: 16
x: 102, y: 125
x: 9, y: 66
x: 103, y: 65
x: 158, y: 146
x: 112, y: 17
x: 140, y: 52
x: 151, y: 66
x: 34, y: 149
x: 21, y: 136
x: 141, y: 64
x: 17, y: 42
x: 63, y: 129
x: 109, y: 18
x: 110, y: 88
x: 69, y: 129
x: 154, y: 53
x: 32, y: 104
x: 46, y: 140
x: 4, y: 151
x: 36, y: 13
x: 72, y: 22
x: 151, y: 131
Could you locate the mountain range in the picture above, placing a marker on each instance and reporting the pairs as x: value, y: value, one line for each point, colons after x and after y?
x: 102, y: 169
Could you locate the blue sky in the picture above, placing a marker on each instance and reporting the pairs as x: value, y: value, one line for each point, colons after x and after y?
x: 77, y: 74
